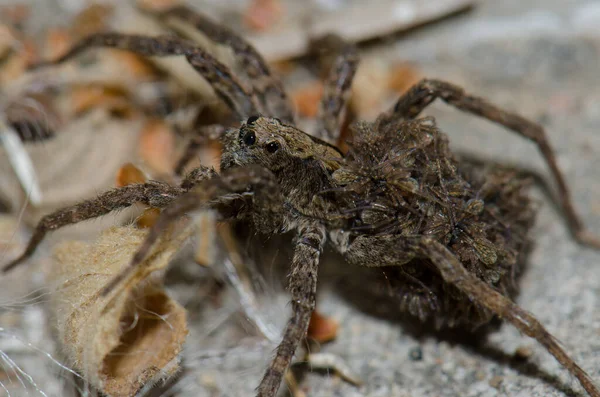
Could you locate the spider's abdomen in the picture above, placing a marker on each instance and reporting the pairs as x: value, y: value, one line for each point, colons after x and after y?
x: 399, y: 183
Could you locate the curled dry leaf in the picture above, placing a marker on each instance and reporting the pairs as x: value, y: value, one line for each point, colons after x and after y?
x: 322, y: 329
x: 120, y: 342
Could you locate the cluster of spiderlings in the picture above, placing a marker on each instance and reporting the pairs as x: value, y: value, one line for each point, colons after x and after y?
x: 400, y: 178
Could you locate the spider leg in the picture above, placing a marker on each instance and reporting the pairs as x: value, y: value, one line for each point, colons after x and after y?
x: 303, y: 287
x: 268, y: 88
x: 454, y: 273
x: 426, y: 91
x: 336, y: 90
x: 216, y: 193
x: 227, y: 87
x: 154, y: 194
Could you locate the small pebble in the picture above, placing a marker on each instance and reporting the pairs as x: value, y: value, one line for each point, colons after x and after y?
x: 416, y: 353
x: 496, y: 381
x: 522, y: 353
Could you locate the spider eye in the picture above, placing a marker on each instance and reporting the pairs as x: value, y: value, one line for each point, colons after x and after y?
x: 249, y: 138
x: 252, y: 119
x: 272, y: 147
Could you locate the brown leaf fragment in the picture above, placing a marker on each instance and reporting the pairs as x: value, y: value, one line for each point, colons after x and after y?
x: 92, y: 19
x: 263, y: 14
x: 322, y: 329
x: 15, y: 14
x: 129, y: 174
x: 402, y: 76
x: 157, y: 146
x: 108, y: 339
x: 58, y: 42
x: 91, y: 96
x: 157, y: 5
x: 306, y: 99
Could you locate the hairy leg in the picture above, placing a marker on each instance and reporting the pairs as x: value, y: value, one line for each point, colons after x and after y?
x: 267, y: 88
x: 455, y: 273
x: 425, y: 92
x: 303, y: 287
x: 337, y: 84
x: 154, y: 194
x: 217, y: 193
x: 227, y: 87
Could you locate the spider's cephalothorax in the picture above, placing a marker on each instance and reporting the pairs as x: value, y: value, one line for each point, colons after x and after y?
x: 301, y: 164
x: 454, y: 233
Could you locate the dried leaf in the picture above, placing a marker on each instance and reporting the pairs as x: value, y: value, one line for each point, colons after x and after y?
x: 263, y: 14
x: 92, y: 96
x: 136, y: 65
x: 322, y: 329
x: 106, y: 338
x: 369, y: 88
x: 58, y: 42
x: 402, y: 76
x: 306, y: 99
x: 148, y: 218
x: 129, y: 174
x: 157, y: 146
x: 156, y: 5
x: 15, y: 14
x: 92, y: 19
x: 7, y: 40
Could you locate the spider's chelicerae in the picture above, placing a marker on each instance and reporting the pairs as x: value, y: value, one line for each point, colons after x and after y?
x: 398, y: 198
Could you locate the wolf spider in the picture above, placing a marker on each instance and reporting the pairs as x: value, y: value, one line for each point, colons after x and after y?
x: 399, y: 197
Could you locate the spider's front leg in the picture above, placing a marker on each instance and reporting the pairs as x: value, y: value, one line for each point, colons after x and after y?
x: 154, y: 194
x: 421, y: 95
x: 336, y: 91
x: 267, y: 87
x: 251, y: 182
x: 303, y: 287
x: 237, y: 97
x: 453, y: 272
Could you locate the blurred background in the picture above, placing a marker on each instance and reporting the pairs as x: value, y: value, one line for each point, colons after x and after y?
x: 110, y: 118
